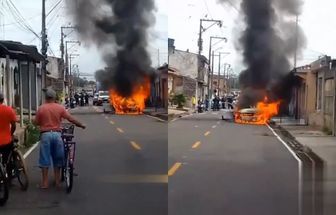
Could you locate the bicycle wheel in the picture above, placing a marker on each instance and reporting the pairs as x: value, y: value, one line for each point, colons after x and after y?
x: 3, y: 186
x: 20, y: 170
x: 68, y: 174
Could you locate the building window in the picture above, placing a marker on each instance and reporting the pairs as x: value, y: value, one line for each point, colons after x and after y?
x: 329, y: 96
x: 319, y: 93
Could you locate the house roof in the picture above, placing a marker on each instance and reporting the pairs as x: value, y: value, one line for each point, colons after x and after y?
x: 202, y: 57
x: 173, y: 71
x: 19, y: 51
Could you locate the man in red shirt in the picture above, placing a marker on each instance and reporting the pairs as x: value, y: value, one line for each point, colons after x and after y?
x: 7, y: 128
x: 49, y: 117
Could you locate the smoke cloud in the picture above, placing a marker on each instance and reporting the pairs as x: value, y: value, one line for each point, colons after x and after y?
x: 268, y: 42
x: 120, y: 29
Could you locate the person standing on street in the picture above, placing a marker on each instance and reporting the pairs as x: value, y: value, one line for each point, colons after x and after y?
x: 206, y: 103
x: 7, y: 129
x: 193, y: 101
x: 49, y: 117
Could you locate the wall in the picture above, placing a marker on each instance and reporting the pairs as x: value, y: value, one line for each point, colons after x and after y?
x: 185, y: 62
x: 9, y: 80
x: 54, y: 67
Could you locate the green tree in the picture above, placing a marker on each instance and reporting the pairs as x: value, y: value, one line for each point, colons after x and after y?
x: 180, y: 100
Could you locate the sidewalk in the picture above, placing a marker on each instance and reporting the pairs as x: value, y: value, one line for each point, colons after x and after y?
x: 325, y: 147
x: 157, y: 112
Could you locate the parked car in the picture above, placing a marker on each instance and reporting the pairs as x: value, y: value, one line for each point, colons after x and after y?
x: 103, y: 96
x: 95, y: 99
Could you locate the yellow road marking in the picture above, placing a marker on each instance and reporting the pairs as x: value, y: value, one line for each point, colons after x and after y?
x: 120, y: 130
x: 174, y: 168
x: 197, y: 144
x: 135, y: 145
x: 207, y: 133
x: 112, y: 122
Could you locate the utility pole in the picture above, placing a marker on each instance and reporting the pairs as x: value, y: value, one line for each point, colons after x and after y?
x: 219, y: 67
x: 202, y: 30
x: 334, y: 112
x: 67, y: 63
x: 296, y: 40
x: 44, y: 47
x: 64, y: 69
x: 211, y: 77
x: 158, y: 56
x: 71, y: 56
x: 200, y: 46
x: 211, y: 70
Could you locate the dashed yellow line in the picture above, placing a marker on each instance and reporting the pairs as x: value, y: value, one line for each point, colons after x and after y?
x: 135, y: 145
x: 207, y: 133
x: 112, y: 122
x: 174, y: 168
x: 196, y: 145
x: 120, y: 130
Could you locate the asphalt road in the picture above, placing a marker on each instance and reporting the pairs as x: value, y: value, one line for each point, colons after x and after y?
x: 218, y: 167
x: 121, y: 162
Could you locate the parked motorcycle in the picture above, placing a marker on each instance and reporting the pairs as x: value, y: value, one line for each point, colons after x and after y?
x: 200, y: 107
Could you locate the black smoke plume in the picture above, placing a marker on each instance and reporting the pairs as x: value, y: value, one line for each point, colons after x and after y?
x: 268, y: 42
x: 120, y: 29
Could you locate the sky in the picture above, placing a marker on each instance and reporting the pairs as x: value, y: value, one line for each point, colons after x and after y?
x: 316, y: 20
x: 89, y: 60
x: 178, y: 20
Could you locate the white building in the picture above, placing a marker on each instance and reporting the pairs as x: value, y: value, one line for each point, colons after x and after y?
x: 192, y: 66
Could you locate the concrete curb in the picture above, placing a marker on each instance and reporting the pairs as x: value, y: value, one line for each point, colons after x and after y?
x: 158, y: 116
x: 30, y: 150
x: 292, y: 142
x: 179, y: 116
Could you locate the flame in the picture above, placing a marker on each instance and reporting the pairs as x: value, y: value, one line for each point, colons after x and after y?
x: 259, y: 115
x: 134, y: 104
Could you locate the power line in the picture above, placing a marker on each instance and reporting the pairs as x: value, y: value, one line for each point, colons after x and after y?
x: 206, y: 5
x: 53, y: 19
x: 18, y: 22
x: 54, y: 7
x: 17, y: 15
x: 51, y: 51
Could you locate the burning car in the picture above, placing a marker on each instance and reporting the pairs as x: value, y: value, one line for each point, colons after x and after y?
x: 247, y: 115
x: 258, y: 115
x: 133, y: 104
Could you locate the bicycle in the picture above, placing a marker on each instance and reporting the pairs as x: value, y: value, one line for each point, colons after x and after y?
x: 14, y: 167
x: 4, y: 190
x: 69, y: 155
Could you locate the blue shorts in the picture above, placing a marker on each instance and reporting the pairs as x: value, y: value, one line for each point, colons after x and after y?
x: 51, y: 149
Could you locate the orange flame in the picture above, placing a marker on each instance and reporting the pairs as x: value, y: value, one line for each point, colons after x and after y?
x: 134, y: 104
x: 260, y: 115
